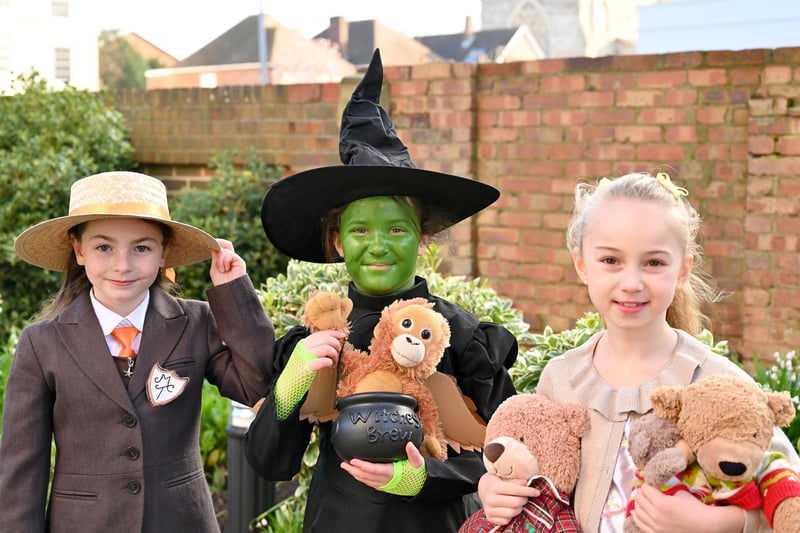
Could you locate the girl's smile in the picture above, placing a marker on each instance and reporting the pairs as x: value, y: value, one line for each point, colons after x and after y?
x: 631, y: 307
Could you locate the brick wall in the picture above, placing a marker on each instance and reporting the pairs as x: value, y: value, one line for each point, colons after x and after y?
x: 725, y: 124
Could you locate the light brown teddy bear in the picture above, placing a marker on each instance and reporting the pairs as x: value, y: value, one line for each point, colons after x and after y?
x: 531, y: 437
x: 727, y: 423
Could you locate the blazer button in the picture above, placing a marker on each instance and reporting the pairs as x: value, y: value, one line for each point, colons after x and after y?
x: 134, y: 487
x: 130, y: 420
x: 132, y: 453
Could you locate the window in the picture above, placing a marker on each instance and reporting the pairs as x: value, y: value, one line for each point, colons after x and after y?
x: 59, y: 8
x: 62, y: 64
x: 208, y: 80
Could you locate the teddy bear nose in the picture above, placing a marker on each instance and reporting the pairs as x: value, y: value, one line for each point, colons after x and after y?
x: 732, y: 469
x: 493, y: 451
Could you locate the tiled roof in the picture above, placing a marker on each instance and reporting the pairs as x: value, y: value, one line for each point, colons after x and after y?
x: 484, y: 45
x: 289, y: 52
x: 364, y: 36
x: 148, y: 50
x: 237, y: 45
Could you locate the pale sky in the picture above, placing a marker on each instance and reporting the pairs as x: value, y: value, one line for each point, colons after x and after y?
x: 683, y: 25
x: 181, y: 27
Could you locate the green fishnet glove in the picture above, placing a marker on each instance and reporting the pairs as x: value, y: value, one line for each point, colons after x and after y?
x: 407, y: 480
x: 294, y: 381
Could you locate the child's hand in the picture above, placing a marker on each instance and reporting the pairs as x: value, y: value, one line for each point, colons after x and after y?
x: 326, y: 345
x: 376, y: 475
x: 657, y: 512
x: 226, y: 265
x: 503, y: 499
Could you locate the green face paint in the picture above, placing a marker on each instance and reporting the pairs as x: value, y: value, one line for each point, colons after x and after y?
x: 380, y: 239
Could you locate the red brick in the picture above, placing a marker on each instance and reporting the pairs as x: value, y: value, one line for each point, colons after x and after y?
x: 564, y: 117
x: 591, y: 99
x: 708, y: 77
x: 612, y: 116
x: 778, y: 74
x: 499, y: 102
x: 712, y: 115
x: 761, y: 145
x: 789, y: 146
x: 563, y: 84
x: 662, y: 115
x: 680, y: 134
x: 662, y: 79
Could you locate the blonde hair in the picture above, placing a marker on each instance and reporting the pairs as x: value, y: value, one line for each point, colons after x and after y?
x: 685, y: 312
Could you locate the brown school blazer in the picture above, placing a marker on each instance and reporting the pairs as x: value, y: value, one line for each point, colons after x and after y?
x: 123, y: 465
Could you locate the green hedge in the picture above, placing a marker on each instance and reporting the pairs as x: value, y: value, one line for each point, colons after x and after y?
x: 48, y: 139
x: 229, y: 207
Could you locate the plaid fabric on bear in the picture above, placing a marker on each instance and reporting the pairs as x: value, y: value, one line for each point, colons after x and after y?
x: 550, y: 512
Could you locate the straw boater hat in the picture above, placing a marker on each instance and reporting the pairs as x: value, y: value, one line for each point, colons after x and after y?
x: 377, y: 164
x: 112, y: 195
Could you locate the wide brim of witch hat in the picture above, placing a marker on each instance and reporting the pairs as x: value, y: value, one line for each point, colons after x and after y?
x: 295, y: 206
x: 110, y: 195
x: 376, y: 163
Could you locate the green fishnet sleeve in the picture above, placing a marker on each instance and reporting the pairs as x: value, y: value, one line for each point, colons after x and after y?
x: 407, y: 480
x: 294, y: 381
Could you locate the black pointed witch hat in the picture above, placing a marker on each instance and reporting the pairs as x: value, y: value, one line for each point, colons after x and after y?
x: 376, y: 163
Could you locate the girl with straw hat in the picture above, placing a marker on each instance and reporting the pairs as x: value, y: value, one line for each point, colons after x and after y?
x: 375, y: 213
x: 113, y: 368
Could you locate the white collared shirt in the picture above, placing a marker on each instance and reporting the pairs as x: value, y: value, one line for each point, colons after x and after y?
x: 109, y: 320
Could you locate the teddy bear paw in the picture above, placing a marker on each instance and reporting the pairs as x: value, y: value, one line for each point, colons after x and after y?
x: 664, y: 465
x: 327, y: 310
x: 787, y: 516
x: 431, y: 447
x: 629, y: 526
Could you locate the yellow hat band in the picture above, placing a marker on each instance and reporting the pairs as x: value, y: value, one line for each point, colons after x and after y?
x: 133, y: 209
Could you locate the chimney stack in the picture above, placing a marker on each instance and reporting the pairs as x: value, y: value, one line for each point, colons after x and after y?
x: 340, y: 33
x: 468, y: 30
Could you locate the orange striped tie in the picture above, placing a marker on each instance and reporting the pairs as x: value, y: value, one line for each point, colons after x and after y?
x: 125, y: 336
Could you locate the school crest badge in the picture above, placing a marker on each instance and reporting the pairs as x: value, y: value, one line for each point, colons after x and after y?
x: 164, y: 385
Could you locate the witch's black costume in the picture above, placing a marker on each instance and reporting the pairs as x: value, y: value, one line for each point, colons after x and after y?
x: 479, y: 356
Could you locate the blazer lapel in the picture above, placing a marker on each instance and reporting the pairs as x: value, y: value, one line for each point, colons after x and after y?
x: 81, y: 336
x: 164, y: 325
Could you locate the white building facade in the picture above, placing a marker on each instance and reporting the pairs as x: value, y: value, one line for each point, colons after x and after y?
x: 571, y: 28
x: 56, y: 38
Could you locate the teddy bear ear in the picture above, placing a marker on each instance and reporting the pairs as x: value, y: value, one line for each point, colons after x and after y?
x: 577, y: 419
x: 347, y: 306
x: 780, y: 403
x: 667, y: 402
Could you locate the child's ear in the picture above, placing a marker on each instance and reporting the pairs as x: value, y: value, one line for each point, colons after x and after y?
x: 164, y: 254
x: 423, y: 244
x: 580, y: 265
x: 337, y: 243
x: 76, y: 247
x: 686, y: 269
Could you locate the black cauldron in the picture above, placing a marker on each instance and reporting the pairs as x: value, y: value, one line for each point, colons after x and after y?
x: 375, y: 426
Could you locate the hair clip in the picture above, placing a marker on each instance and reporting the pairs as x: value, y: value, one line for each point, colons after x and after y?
x: 604, y: 182
x: 664, y: 179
